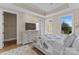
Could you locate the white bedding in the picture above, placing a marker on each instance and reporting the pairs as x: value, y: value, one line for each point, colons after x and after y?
x: 56, y: 43
x: 59, y: 39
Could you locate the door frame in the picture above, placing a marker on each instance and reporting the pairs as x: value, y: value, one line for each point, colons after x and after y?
x: 12, y: 12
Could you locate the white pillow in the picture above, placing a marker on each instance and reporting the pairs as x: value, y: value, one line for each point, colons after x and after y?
x: 69, y: 40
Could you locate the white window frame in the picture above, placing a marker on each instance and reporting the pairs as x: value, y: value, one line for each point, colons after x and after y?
x: 46, y: 32
x: 73, y: 25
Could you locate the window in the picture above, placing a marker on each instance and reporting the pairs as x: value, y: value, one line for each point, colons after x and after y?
x: 66, y: 24
x: 48, y: 26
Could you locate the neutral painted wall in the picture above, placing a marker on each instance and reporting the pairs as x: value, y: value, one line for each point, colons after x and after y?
x: 19, y: 27
x: 1, y: 29
x: 33, y: 19
x: 76, y: 20
x: 55, y: 28
x: 30, y: 19
x: 10, y: 26
x: 22, y: 19
x: 57, y: 21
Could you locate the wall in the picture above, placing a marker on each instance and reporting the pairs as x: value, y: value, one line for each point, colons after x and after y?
x: 19, y: 27
x: 10, y: 26
x: 1, y: 29
x: 55, y: 28
x: 57, y: 22
x: 30, y: 19
x: 76, y: 21
x: 22, y: 19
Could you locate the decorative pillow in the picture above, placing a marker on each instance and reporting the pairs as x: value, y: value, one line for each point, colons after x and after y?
x: 69, y: 40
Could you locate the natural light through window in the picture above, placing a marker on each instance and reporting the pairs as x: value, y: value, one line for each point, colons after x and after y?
x: 66, y: 24
x: 48, y: 26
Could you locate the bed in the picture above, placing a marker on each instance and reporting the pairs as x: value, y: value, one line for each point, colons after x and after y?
x: 49, y: 44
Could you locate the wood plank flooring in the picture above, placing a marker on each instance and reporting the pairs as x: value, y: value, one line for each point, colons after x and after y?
x: 12, y: 45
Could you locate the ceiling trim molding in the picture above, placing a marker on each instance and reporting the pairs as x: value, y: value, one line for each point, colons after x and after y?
x: 70, y: 9
x: 18, y: 9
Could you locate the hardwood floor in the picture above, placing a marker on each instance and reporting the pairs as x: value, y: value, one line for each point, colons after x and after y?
x: 9, y: 45
x: 36, y: 50
x: 12, y: 45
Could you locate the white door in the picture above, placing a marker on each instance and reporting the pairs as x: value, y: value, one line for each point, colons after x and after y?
x: 1, y: 30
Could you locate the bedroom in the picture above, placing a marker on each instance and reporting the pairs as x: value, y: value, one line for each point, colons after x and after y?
x: 48, y: 18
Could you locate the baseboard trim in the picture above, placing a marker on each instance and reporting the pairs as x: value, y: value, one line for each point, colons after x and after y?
x: 10, y: 39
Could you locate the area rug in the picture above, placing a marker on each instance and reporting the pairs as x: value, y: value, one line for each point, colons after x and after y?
x: 23, y: 50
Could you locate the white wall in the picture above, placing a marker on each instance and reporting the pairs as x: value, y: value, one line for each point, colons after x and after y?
x: 21, y: 20
x: 19, y: 25
x: 57, y: 21
x: 2, y: 26
x: 30, y: 19
x: 1, y: 29
x: 76, y: 21
x: 54, y: 25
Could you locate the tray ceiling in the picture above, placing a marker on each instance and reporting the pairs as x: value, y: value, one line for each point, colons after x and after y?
x: 43, y: 8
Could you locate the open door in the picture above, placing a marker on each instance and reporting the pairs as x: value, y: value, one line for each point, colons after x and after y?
x: 10, y: 29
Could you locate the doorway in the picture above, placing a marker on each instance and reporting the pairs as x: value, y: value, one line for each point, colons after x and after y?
x: 10, y: 29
